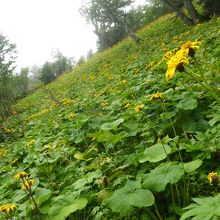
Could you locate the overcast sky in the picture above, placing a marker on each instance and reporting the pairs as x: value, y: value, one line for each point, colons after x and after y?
x: 39, y: 26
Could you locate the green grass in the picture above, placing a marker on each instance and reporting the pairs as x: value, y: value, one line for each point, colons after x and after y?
x: 93, y: 156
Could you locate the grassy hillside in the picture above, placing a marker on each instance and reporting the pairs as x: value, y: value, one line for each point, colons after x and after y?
x: 113, y: 139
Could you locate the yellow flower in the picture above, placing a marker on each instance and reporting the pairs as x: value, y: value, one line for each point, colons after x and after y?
x: 190, y: 47
x: 92, y: 78
x: 191, y: 44
x: 112, y: 89
x: 94, y: 138
x: 168, y: 54
x: 139, y: 107
x: 27, y: 184
x: 110, y: 78
x: 30, y: 143
x: 3, y: 152
x: 155, y: 96
x: 9, y: 130
x: 99, y: 94
x: 150, y: 64
x: 14, y: 161
x: 21, y: 175
x: 103, y: 104
x: 7, y: 208
x: 127, y: 105
x: 72, y: 115
x: 176, y: 63
x: 54, y: 105
x: 213, y: 177
x: 67, y: 101
x: 124, y: 81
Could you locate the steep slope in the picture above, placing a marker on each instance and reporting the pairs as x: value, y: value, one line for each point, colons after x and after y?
x: 113, y: 139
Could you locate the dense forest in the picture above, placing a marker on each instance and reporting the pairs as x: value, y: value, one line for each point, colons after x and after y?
x: 129, y: 132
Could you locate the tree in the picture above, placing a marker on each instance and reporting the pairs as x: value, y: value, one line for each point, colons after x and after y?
x: 211, y: 7
x: 23, y: 82
x: 61, y: 63
x: 177, y: 6
x: 7, y: 66
x: 34, y: 74
x: 81, y: 60
x: 89, y: 54
x: 51, y: 70
x: 47, y: 72
x: 107, y: 15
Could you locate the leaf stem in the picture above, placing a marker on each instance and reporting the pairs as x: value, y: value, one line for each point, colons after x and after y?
x: 157, y: 212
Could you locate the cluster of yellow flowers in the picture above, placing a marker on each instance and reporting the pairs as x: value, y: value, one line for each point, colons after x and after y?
x: 30, y: 143
x: 149, y: 65
x: 110, y: 78
x: 54, y: 105
x: 103, y: 104
x: 71, y: 116
x: 92, y: 77
x: 7, y: 208
x: 67, y: 101
x: 180, y: 58
x: 21, y: 175
x: 38, y: 114
x: 27, y: 183
x: 156, y: 96
x: 99, y: 94
x: 113, y: 89
x: 127, y: 105
x: 124, y: 81
x: 9, y: 130
x: 139, y: 107
x: 3, y: 152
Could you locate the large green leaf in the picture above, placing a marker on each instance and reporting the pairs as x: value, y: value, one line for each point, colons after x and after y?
x: 42, y: 195
x: 108, y: 137
x: 155, y: 153
x: 65, y: 205
x: 112, y: 125
x: 165, y: 173
x: 131, y: 128
x: 207, y: 208
x: 193, y: 165
x: 88, y: 178
x: 188, y: 103
x: 130, y: 195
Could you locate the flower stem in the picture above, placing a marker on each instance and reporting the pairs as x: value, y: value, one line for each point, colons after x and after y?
x: 204, y: 82
x: 28, y: 187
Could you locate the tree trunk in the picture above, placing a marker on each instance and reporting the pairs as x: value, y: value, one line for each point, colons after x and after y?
x: 192, y: 11
x: 123, y: 23
x: 128, y: 30
x: 179, y: 12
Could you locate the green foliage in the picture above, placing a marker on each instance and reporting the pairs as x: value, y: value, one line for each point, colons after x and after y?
x: 51, y: 70
x: 206, y: 208
x: 131, y: 195
x: 159, y: 177
x: 112, y: 139
x: 63, y: 206
x: 192, y: 166
x: 109, y: 20
x: 155, y: 153
x: 211, y: 7
x: 7, y: 60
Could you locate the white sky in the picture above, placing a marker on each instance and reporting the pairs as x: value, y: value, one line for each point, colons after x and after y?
x: 39, y: 26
